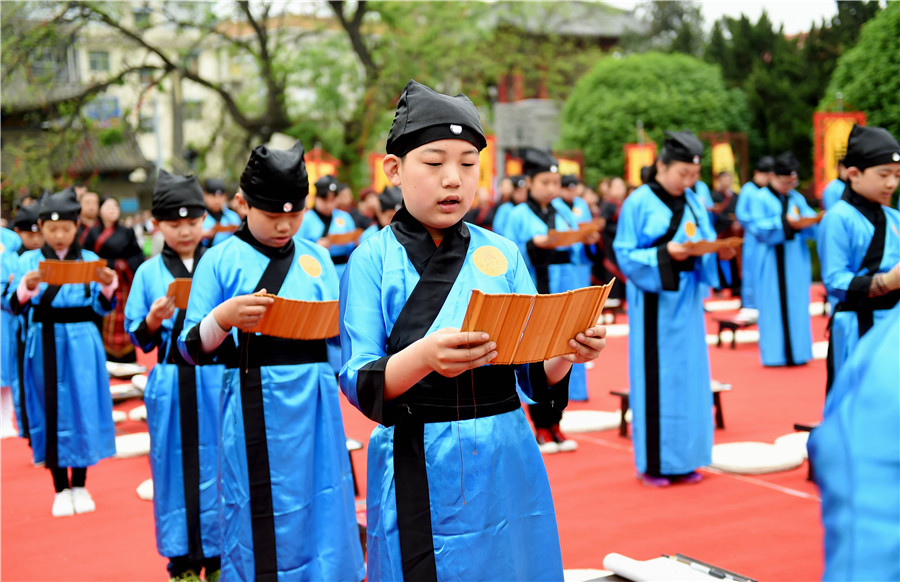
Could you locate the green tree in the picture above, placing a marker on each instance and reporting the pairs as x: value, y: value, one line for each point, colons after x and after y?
x: 663, y: 91
x: 868, y: 75
x: 670, y: 26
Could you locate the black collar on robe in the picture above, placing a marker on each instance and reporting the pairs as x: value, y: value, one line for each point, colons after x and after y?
x: 326, y: 220
x: 677, y: 205
x: 871, y: 210
x: 243, y: 233
x: 176, y: 266
x: 217, y: 216
x: 548, y: 215
x: 438, y: 267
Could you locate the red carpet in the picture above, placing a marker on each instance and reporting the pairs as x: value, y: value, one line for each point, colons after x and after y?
x: 766, y: 527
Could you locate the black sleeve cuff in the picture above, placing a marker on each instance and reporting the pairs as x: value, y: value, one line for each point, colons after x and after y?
x: 106, y: 304
x: 147, y: 340
x: 858, y: 291
x: 539, y: 257
x: 370, y: 393
x: 194, y: 349
x: 16, y: 307
x: 789, y: 231
x: 556, y: 396
x: 668, y: 272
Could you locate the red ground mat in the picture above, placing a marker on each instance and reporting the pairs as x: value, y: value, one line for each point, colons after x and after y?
x: 766, y: 527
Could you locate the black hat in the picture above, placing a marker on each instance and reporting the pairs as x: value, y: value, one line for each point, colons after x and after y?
x: 176, y: 197
x: 327, y: 185
x: 27, y: 218
x: 871, y: 146
x: 518, y: 181
x: 60, y: 206
x: 682, y: 146
x: 570, y: 181
x: 424, y: 115
x: 539, y: 161
x: 391, y: 198
x: 276, y: 180
x: 765, y: 164
x: 214, y: 186
x: 785, y: 164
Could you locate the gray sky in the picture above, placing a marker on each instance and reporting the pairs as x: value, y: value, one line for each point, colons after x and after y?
x: 795, y: 15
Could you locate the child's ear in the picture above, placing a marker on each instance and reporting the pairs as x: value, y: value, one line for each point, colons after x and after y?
x: 391, y: 166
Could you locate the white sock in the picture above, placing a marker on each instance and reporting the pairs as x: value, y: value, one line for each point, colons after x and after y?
x: 7, y: 411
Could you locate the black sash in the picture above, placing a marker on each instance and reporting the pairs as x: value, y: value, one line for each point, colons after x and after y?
x: 782, y: 279
x: 541, y: 259
x: 188, y: 409
x: 326, y: 220
x: 262, y: 513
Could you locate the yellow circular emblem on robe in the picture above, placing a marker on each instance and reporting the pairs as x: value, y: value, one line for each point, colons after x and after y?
x: 339, y: 221
x: 490, y: 260
x: 576, y: 211
x: 690, y: 229
x: 894, y: 228
x: 310, y: 265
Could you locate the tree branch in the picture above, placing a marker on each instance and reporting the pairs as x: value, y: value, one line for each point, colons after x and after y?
x: 356, y: 39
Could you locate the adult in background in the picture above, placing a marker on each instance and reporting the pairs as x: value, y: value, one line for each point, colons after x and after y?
x: 119, y: 246
x: 762, y: 175
x: 90, y: 209
x: 727, y: 226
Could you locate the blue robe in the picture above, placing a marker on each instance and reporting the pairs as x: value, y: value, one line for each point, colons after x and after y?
x: 297, y: 448
x: 750, y: 248
x: 668, y: 362
x: 845, y: 236
x: 783, y: 277
x: 523, y: 225
x: 490, y: 515
x: 832, y: 193
x: 313, y: 228
x: 229, y: 218
x: 77, y: 429
x: 501, y: 217
x: 182, y: 417
x: 9, y: 260
x: 856, y: 453
x: 9, y: 240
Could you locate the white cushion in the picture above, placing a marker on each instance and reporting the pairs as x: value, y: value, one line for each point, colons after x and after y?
x: 820, y: 350
x: 138, y: 413
x: 119, y: 416
x: 754, y: 458
x: 145, y: 490
x: 121, y: 391
x: 123, y: 370
x: 353, y: 444
x: 588, y: 420
x: 139, y: 382
x: 132, y: 445
x: 795, y: 441
x: 584, y: 575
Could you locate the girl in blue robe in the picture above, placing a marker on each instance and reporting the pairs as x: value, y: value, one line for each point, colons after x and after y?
x: 859, y: 243
x: 287, y: 508
x: 66, y: 383
x: 668, y: 362
x: 504, y: 211
x: 435, y: 509
x: 783, y: 268
x: 749, y: 250
x: 324, y: 219
x: 856, y: 453
x: 182, y: 400
x: 9, y: 377
x: 217, y: 212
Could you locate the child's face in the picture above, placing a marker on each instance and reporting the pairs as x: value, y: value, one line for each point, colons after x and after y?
x: 677, y: 176
x: 782, y: 184
x: 273, y: 229
x: 545, y: 187
x: 31, y: 239
x: 325, y: 205
x: 438, y: 180
x: 182, y: 235
x: 59, y: 234
x: 214, y: 202
x: 90, y: 205
x: 876, y: 183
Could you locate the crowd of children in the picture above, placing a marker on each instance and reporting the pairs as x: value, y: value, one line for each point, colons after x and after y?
x: 251, y: 475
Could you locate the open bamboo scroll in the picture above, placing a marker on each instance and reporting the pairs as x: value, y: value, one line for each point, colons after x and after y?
x: 224, y: 228
x: 532, y: 328
x: 302, y: 320
x: 702, y: 247
x: 567, y: 238
x: 344, y: 237
x: 180, y: 289
x: 69, y: 272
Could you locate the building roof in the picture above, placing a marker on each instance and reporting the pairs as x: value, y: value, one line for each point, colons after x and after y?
x: 86, y: 156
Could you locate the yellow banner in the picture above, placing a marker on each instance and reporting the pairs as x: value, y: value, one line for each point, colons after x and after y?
x: 837, y: 131
x: 722, y: 159
x: 567, y: 167
x: 377, y: 180
x: 636, y: 157
x: 487, y: 169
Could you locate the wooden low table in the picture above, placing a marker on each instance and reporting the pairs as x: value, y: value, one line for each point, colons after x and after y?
x: 734, y: 325
x: 717, y: 389
x: 807, y: 427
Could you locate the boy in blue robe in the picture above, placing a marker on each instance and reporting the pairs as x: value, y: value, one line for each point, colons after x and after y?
x: 668, y: 362
x: 435, y: 509
x: 389, y: 202
x: 762, y: 174
x: 217, y: 213
x: 518, y: 196
x: 25, y: 225
x: 859, y: 242
x: 66, y: 383
x: 553, y: 270
x: 9, y: 401
x: 182, y: 400
x: 287, y: 508
x: 782, y: 222
x: 326, y: 219
x: 834, y: 190
x: 856, y: 453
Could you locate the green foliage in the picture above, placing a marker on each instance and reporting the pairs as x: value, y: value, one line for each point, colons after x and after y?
x: 111, y: 136
x: 665, y: 92
x: 671, y: 26
x: 868, y: 75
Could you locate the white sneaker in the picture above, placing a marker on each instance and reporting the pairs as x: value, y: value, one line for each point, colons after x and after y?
x: 567, y: 446
x: 62, y: 504
x: 550, y: 448
x: 82, y: 500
